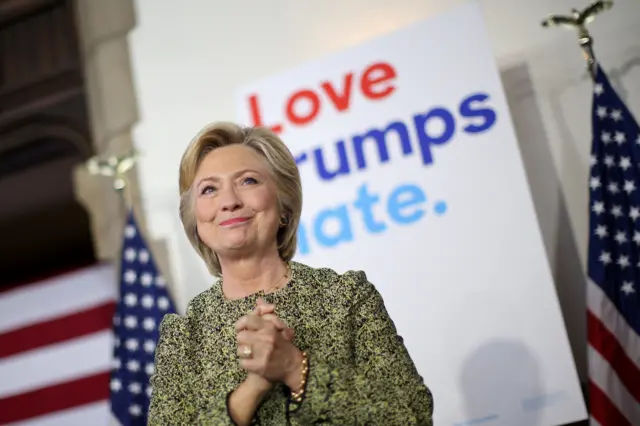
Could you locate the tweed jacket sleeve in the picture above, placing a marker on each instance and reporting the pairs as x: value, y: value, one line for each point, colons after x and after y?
x: 177, y: 398
x: 382, y: 387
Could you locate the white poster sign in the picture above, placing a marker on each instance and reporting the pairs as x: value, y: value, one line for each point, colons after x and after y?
x: 411, y: 172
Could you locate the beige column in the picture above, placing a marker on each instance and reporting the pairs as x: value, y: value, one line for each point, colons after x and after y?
x: 103, y: 27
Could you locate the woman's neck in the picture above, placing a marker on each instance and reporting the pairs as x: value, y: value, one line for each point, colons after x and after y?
x: 246, y: 276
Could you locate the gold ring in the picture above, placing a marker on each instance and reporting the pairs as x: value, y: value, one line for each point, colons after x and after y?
x: 246, y: 352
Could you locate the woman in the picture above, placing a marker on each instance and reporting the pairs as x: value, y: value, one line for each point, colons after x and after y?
x: 274, y: 342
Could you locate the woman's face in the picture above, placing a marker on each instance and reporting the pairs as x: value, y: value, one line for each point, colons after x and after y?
x: 236, y: 202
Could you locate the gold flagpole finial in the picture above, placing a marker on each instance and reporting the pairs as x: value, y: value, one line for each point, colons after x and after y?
x: 114, y: 167
x: 578, y: 20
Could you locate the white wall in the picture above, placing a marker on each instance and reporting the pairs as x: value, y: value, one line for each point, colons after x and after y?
x: 543, y: 73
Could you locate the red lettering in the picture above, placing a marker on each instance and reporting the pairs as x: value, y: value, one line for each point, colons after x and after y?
x: 340, y: 100
x: 256, y: 117
x: 311, y: 97
x: 371, y: 82
x: 377, y: 81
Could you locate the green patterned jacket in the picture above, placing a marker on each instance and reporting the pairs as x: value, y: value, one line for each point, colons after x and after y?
x: 359, y: 369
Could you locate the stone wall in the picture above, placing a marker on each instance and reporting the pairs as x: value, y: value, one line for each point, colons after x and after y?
x: 103, y: 27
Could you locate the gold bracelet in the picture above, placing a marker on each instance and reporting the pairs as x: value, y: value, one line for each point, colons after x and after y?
x: 297, y: 396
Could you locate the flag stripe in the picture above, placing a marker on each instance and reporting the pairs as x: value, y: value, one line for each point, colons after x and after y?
x: 607, y: 381
x: 55, y: 364
x: 602, y: 410
x: 593, y: 422
x: 57, y: 330
x: 59, y: 397
x: 89, y: 414
x: 611, y: 350
x: 608, y: 315
x: 58, y: 296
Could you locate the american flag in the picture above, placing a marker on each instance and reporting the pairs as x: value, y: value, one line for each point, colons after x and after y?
x: 613, y: 293
x: 143, y: 301
x: 56, y: 344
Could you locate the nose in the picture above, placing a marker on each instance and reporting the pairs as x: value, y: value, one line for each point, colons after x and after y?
x: 229, y: 200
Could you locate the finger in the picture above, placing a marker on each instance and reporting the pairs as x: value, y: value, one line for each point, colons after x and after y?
x: 245, y: 352
x: 263, y: 309
x: 249, y: 322
x: 288, y: 334
x: 277, y: 322
x: 246, y: 337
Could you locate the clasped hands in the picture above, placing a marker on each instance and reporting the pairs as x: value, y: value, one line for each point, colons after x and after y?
x: 266, y: 350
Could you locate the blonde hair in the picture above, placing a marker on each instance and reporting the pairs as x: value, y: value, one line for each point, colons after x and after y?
x: 283, y: 168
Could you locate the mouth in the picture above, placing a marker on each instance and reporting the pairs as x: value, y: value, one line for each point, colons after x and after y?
x: 235, y: 221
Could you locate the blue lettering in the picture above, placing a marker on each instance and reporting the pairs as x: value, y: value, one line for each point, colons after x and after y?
x: 405, y: 205
x: 343, y: 167
x: 341, y: 215
x: 478, y: 115
x: 364, y: 203
x: 303, y: 239
x: 427, y: 140
x: 402, y: 199
x: 487, y: 114
x: 380, y: 138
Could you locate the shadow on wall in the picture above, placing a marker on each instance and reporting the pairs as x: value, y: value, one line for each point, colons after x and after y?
x: 550, y: 206
x: 484, y: 380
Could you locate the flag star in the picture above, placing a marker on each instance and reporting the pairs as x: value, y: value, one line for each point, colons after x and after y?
x: 146, y: 279
x: 620, y: 137
x: 130, y: 255
x: 116, y: 363
x: 150, y: 369
x: 625, y: 163
x: 115, y: 385
x: 620, y: 237
x: 616, y: 211
x: 594, y: 183
x: 634, y: 213
x: 143, y: 256
x: 130, y: 231
x: 149, y: 346
x: 130, y: 321
x: 117, y: 342
x: 598, y: 207
x: 636, y: 237
x: 131, y: 344
x: 608, y: 161
x: 135, y: 388
x: 149, y: 324
x: 163, y: 303
x: 605, y: 257
x: 601, y: 112
x: 601, y: 231
x: 133, y: 366
x: 616, y: 115
x: 149, y: 390
x: 627, y: 288
x: 130, y: 276
x: 147, y: 301
x: 130, y: 299
x: 593, y: 160
x: 623, y: 261
x: 605, y: 137
x: 598, y: 89
x: 629, y: 186
x: 135, y: 410
x: 160, y: 281
x: 116, y: 320
x: 613, y: 188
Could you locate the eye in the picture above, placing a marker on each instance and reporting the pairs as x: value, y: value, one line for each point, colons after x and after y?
x: 249, y: 181
x: 207, y: 190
